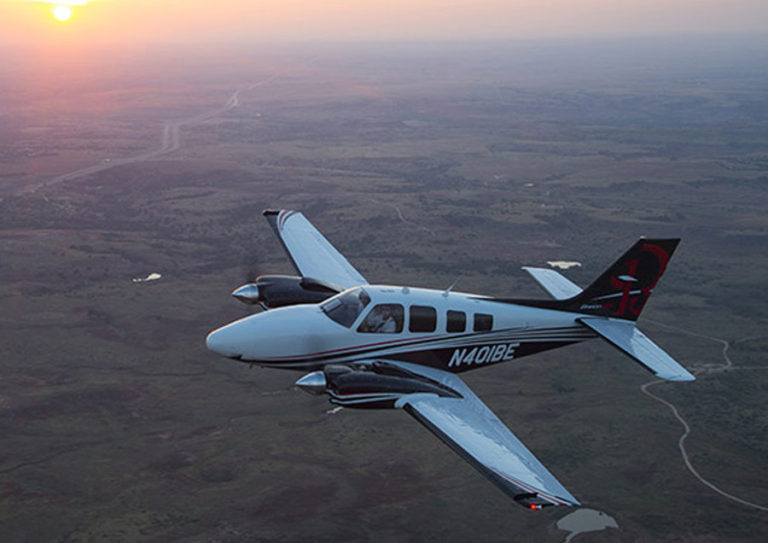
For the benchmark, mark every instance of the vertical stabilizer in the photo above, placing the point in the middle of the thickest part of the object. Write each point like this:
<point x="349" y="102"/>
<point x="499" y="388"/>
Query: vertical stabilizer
<point x="623" y="289"/>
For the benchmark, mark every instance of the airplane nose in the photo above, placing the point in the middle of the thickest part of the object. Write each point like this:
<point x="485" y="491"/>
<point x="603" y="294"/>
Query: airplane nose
<point x="220" y="342"/>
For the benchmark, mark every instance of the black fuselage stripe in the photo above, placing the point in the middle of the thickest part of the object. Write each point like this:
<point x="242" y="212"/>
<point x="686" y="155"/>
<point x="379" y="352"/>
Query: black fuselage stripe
<point x="300" y="362"/>
<point x="554" y="334"/>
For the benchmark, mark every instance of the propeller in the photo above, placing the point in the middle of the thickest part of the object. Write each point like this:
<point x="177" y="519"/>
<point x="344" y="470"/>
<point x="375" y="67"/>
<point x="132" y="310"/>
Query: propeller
<point x="248" y="293"/>
<point x="251" y="268"/>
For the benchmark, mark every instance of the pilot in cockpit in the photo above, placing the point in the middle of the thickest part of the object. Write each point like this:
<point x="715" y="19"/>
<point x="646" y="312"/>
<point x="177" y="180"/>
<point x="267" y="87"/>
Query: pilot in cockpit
<point x="380" y="320"/>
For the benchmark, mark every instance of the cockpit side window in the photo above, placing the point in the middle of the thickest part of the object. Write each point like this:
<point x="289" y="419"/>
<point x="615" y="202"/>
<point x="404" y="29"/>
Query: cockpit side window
<point x="383" y="319"/>
<point x="344" y="308"/>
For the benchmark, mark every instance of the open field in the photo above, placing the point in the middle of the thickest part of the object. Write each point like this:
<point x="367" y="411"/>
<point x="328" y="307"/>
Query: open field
<point x="423" y="167"/>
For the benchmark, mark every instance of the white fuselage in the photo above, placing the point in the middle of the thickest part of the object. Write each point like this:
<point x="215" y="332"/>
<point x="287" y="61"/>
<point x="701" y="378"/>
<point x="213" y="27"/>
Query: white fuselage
<point x="422" y="326"/>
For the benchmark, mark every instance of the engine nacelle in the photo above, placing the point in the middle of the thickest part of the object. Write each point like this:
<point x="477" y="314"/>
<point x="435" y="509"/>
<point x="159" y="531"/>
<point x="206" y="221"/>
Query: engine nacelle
<point x="271" y="291"/>
<point x="370" y="386"/>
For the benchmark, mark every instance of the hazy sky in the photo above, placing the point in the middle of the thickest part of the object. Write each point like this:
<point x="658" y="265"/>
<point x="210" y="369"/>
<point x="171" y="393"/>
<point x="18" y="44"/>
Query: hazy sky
<point x="142" y="21"/>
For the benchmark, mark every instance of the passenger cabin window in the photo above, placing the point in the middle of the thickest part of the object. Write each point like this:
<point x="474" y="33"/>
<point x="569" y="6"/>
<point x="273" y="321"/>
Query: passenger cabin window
<point x="345" y="307"/>
<point x="383" y="319"/>
<point x="423" y="319"/>
<point x="457" y="321"/>
<point x="483" y="322"/>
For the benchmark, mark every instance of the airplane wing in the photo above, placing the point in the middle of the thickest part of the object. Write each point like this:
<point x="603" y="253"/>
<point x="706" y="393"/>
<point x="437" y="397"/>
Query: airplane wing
<point x="472" y="430"/>
<point x="311" y="254"/>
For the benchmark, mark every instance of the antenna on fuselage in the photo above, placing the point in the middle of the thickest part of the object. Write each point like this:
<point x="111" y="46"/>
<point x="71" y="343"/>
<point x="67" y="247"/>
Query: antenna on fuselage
<point x="450" y="288"/>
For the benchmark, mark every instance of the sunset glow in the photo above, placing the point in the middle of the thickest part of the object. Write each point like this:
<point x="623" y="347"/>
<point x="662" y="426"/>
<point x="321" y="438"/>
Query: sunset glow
<point x="140" y="22"/>
<point x="62" y="13"/>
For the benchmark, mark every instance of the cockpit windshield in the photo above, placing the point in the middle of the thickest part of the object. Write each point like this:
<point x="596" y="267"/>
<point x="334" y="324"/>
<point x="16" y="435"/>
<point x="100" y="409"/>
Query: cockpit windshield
<point x="345" y="307"/>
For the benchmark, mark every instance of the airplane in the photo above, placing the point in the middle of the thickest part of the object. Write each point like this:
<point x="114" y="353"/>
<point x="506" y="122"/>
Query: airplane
<point x="384" y="346"/>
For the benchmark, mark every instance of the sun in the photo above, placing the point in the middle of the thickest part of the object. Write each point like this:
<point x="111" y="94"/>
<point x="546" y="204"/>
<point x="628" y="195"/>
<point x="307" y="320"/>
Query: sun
<point x="62" y="13"/>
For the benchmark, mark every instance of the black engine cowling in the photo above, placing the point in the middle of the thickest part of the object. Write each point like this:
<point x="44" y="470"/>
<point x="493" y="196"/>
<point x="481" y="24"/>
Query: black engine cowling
<point x="271" y="291"/>
<point x="371" y="386"/>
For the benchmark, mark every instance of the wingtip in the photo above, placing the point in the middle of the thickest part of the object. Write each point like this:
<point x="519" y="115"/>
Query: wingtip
<point x="678" y="377"/>
<point x="537" y="500"/>
<point x="570" y="501"/>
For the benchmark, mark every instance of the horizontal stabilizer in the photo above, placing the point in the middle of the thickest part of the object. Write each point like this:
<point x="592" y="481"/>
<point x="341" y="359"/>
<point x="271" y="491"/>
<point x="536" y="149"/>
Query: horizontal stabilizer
<point x="624" y="335"/>
<point x="553" y="282"/>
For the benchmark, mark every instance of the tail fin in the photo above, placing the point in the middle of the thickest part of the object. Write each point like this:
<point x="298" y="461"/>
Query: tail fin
<point x="623" y="289"/>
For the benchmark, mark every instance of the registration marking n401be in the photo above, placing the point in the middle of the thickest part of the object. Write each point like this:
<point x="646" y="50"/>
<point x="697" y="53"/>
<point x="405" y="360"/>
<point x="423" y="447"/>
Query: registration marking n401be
<point x="483" y="355"/>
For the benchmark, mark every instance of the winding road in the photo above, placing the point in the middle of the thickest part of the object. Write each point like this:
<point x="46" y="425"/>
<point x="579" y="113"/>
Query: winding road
<point x="401" y="216"/>
<point x="703" y="370"/>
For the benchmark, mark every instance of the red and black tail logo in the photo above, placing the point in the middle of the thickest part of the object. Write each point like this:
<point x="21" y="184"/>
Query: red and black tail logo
<point x="623" y="290"/>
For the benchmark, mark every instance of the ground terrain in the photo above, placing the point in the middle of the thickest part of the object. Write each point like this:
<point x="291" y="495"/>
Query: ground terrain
<point x="424" y="165"/>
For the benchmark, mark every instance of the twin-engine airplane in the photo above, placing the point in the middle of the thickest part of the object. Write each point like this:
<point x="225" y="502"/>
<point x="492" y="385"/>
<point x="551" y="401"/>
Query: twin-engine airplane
<point x="380" y="346"/>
